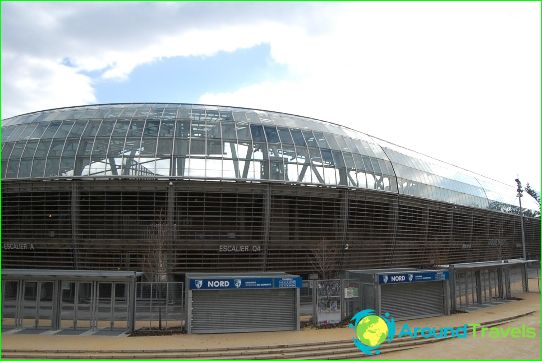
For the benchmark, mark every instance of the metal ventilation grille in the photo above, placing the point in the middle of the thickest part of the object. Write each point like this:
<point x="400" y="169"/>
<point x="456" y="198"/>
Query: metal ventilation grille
<point x="218" y="226"/>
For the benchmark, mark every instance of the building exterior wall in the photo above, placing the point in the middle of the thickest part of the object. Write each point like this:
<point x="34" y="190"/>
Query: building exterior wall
<point x="164" y="227"/>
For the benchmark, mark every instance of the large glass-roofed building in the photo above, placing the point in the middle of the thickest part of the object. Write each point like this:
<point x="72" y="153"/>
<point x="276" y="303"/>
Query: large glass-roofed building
<point x="221" y="188"/>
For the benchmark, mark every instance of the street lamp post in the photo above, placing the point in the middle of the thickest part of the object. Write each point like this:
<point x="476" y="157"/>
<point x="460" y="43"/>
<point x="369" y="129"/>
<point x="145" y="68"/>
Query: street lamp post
<point x="520" y="194"/>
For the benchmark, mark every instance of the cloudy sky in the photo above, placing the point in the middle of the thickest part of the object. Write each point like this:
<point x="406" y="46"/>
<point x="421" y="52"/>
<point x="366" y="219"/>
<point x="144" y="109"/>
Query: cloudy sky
<point x="457" y="81"/>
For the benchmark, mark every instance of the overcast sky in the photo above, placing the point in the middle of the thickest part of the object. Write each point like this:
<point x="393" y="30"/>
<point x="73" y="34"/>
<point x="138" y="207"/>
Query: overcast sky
<point x="456" y="81"/>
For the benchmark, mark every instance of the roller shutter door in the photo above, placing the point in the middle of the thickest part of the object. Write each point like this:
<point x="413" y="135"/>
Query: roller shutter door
<point x="243" y="310"/>
<point x="414" y="300"/>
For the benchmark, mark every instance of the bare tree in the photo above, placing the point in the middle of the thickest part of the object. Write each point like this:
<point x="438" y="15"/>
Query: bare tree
<point x="325" y="259"/>
<point x="156" y="259"/>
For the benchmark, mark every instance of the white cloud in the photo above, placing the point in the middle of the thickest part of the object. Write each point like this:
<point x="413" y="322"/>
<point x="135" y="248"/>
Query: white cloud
<point x="460" y="82"/>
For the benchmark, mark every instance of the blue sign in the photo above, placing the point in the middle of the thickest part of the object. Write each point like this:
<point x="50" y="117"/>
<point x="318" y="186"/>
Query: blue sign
<point x="244" y="282"/>
<point x="410" y="277"/>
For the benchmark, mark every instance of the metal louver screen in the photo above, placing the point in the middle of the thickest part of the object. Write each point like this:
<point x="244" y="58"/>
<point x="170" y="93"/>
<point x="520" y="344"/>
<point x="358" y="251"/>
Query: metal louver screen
<point x="243" y="310"/>
<point x="409" y="301"/>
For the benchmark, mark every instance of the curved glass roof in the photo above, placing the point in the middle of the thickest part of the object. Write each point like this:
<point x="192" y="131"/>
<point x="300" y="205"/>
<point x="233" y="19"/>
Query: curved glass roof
<point x="225" y="143"/>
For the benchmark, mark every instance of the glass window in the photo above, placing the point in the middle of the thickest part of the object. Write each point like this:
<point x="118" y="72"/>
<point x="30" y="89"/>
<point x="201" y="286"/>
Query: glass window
<point x="151" y="128"/>
<point x="309" y="137"/>
<point x="272" y="134"/>
<point x="17" y="149"/>
<point x="197" y="130"/>
<point x="257" y="133"/>
<point x="228" y="131"/>
<point x="28" y="131"/>
<point x="51" y="169"/>
<point x="132" y="146"/>
<point x="38" y="167"/>
<point x="13" y="168"/>
<point x="85" y="148"/>
<point x="214" y="147"/>
<point x="116" y="147"/>
<point x="121" y="128"/>
<point x="243" y="132"/>
<point x="213" y="130"/>
<point x="24" y="168"/>
<point x="167" y="128"/>
<point x="326" y="155"/>
<point x="106" y="128"/>
<point x="77" y="129"/>
<point x="197" y="147"/>
<point x="148" y="147"/>
<point x="136" y="128"/>
<point x="331" y="141"/>
<point x="51" y="130"/>
<point x="56" y="148"/>
<point x="100" y="147"/>
<point x="322" y="143"/>
<point x="70" y="148"/>
<point x="297" y="136"/>
<point x="6" y="150"/>
<point x="182" y="129"/>
<point x="92" y="128"/>
<point x="30" y="148"/>
<point x="165" y="146"/>
<point x="43" y="148"/>
<point x="67" y="166"/>
<point x="285" y="136"/>
<point x="338" y="157"/>
<point x="64" y="129"/>
<point x="181" y="147"/>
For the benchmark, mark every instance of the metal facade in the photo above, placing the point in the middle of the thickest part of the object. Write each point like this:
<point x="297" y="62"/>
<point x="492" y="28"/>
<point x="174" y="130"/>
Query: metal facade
<point x="173" y="188"/>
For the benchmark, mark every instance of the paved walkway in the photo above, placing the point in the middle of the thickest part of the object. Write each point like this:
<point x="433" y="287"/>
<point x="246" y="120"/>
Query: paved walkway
<point x="470" y="348"/>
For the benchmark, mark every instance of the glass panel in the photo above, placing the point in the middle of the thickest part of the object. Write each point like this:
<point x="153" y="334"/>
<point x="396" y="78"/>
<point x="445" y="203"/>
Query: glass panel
<point x="38" y="167"/>
<point x="271" y="134"/>
<point x="322" y="143"/>
<point x="213" y="130"/>
<point x="331" y="141"/>
<point x="257" y="133"/>
<point x="92" y="128"/>
<point x="228" y="131"/>
<point x="70" y="148"/>
<point x="116" y="146"/>
<point x="13" y="168"/>
<point x="46" y="304"/>
<point x="85" y="148"/>
<point x="151" y="128"/>
<point x="77" y="129"/>
<point x="182" y="129"/>
<point x="136" y="129"/>
<point x="24" y="168"/>
<point x="285" y="136"/>
<point x="100" y="147"/>
<point x="6" y="150"/>
<point x="297" y="137"/>
<point x="197" y="129"/>
<point x="181" y="147"/>
<point x="148" y="147"/>
<point x="51" y="130"/>
<point x="167" y="128"/>
<point x="43" y="148"/>
<point x="51" y="169"/>
<point x="67" y="166"/>
<point x="309" y="137"/>
<point x="121" y="127"/>
<point x="106" y="128"/>
<point x="64" y="129"/>
<point x="17" y="149"/>
<point x="29" y="304"/>
<point x="165" y="146"/>
<point x="84" y="303"/>
<point x="56" y="148"/>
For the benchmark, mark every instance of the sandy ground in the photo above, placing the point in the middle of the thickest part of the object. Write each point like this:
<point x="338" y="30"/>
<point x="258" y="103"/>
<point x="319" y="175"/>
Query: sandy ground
<point x="469" y="348"/>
